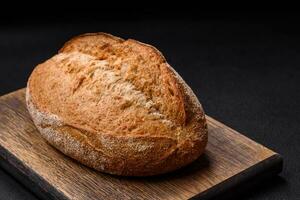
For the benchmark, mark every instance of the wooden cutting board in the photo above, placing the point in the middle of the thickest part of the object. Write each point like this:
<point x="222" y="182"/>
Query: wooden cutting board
<point x="230" y="158"/>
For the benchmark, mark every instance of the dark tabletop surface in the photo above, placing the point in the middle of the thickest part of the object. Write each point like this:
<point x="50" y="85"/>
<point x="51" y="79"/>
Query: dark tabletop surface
<point x="246" y="73"/>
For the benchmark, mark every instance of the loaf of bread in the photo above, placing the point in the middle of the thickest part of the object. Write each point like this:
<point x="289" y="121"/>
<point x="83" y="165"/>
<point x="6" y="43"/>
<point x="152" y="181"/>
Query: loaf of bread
<point x="116" y="106"/>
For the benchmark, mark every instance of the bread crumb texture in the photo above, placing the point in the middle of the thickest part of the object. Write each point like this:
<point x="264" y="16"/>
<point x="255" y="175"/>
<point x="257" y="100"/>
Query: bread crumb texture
<point x="117" y="106"/>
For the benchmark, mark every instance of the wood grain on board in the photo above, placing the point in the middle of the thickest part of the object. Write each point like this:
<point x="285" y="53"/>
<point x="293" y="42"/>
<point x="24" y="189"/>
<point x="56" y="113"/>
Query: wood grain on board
<point x="229" y="159"/>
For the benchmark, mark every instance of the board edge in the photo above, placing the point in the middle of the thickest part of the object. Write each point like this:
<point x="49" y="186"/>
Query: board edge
<point x="273" y="165"/>
<point x="13" y="166"/>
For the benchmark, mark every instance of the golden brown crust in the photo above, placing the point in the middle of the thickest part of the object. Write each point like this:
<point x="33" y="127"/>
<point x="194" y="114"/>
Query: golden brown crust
<point x="140" y="64"/>
<point x="117" y="106"/>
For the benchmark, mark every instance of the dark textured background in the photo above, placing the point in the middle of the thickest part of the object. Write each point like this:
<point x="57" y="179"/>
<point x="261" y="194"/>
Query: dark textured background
<point x="245" y="71"/>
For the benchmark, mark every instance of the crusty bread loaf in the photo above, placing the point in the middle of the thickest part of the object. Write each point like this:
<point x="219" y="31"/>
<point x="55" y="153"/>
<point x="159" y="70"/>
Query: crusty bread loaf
<point x="117" y="106"/>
